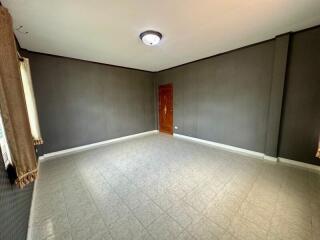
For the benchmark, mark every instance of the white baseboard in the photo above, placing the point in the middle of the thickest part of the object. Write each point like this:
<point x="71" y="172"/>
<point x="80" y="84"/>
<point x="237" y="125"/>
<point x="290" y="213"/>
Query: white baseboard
<point x="250" y="153"/>
<point x="69" y="151"/>
<point x="224" y="147"/>
<point x="206" y="142"/>
<point x="269" y="158"/>
<point x="300" y="164"/>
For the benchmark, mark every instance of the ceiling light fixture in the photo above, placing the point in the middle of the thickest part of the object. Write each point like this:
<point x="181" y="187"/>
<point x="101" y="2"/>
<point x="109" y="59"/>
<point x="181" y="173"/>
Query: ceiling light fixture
<point x="151" y="37"/>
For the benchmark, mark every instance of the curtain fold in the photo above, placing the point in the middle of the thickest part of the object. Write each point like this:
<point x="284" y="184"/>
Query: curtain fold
<point x="13" y="105"/>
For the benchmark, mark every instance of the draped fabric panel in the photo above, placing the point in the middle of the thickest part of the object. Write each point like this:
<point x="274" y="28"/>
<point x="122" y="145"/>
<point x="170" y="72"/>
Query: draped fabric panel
<point x="13" y="105"/>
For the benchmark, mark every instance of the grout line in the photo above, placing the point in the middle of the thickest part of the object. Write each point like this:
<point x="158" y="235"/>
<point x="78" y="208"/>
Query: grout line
<point x="92" y="198"/>
<point x="258" y="170"/>
<point x="238" y="211"/>
<point x="33" y="202"/>
<point x="67" y="213"/>
<point x="131" y="211"/>
<point x="164" y="212"/>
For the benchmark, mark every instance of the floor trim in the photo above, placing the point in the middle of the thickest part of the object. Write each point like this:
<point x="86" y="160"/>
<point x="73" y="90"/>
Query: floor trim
<point x="250" y="153"/>
<point x="224" y="147"/>
<point x="69" y="151"/>
<point x="300" y="164"/>
<point x="269" y="158"/>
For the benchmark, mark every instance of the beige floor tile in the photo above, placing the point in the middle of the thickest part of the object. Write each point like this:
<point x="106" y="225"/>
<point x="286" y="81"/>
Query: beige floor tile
<point x="165" y="228"/>
<point x="184" y="214"/>
<point x="147" y="212"/>
<point x="242" y="228"/>
<point x="128" y="228"/>
<point x="159" y="187"/>
<point x="260" y="216"/>
<point x="205" y="229"/>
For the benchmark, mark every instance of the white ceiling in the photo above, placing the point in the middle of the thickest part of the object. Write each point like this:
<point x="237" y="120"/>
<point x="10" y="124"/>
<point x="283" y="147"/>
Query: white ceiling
<point x="107" y="31"/>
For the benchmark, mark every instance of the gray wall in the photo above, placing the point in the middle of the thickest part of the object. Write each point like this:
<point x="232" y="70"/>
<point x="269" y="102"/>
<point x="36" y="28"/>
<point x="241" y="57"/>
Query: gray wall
<point x="224" y="99"/>
<point x="82" y="102"/>
<point x="15" y="206"/>
<point x="244" y="98"/>
<point x="264" y="97"/>
<point x="233" y="98"/>
<point x="301" y="114"/>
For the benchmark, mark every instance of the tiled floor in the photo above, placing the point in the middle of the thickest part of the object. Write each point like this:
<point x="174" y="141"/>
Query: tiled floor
<point x="159" y="187"/>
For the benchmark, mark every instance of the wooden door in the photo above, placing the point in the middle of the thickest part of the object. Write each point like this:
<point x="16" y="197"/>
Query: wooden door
<point x="166" y="108"/>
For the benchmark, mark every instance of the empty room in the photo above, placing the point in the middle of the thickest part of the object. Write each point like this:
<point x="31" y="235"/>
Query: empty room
<point x="168" y="120"/>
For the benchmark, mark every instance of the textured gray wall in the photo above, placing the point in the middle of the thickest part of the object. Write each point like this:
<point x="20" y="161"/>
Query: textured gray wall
<point x="301" y="113"/>
<point x="225" y="98"/>
<point x="233" y="98"/>
<point x="249" y="97"/>
<point x="15" y="206"/>
<point x="82" y="102"/>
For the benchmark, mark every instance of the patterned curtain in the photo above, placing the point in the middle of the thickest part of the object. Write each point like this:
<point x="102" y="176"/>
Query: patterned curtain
<point x="13" y="105"/>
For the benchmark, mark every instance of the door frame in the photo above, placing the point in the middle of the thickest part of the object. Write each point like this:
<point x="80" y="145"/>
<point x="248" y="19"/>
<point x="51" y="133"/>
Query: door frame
<point x="165" y="85"/>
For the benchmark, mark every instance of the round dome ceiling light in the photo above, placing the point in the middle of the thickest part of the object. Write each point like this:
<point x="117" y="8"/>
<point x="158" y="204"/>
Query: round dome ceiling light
<point x="150" y="37"/>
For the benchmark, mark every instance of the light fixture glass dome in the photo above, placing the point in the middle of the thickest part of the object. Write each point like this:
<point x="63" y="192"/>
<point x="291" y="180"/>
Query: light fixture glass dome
<point x="150" y="37"/>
